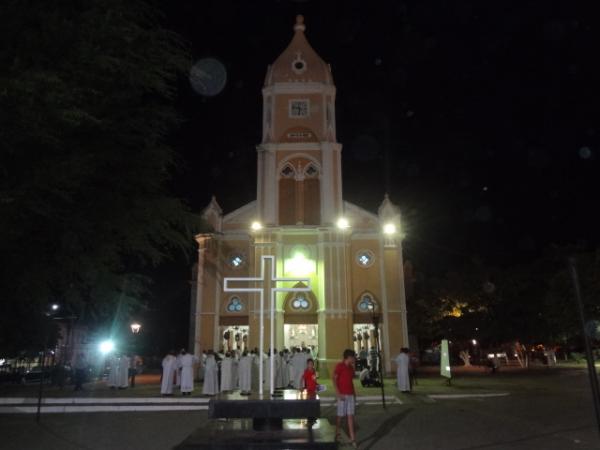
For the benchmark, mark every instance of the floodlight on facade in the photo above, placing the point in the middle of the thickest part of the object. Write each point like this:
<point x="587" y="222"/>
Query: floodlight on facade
<point x="343" y="223"/>
<point x="389" y="228"/>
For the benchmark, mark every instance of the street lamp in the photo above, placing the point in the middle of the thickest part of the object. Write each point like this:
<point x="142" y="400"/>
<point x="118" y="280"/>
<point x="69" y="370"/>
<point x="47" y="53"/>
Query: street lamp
<point x="106" y="346"/>
<point x="377" y="348"/>
<point x="135" y="329"/>
<point x="51" y="310"/>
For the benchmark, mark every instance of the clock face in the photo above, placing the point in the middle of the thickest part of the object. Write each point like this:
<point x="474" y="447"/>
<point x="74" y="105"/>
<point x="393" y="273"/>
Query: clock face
<point x="299" y="108"/>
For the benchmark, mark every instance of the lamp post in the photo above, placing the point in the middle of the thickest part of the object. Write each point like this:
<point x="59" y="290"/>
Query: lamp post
<point x="51" y="310"/>
<point x="375" y="319"/>
<point x="136" y="327"/>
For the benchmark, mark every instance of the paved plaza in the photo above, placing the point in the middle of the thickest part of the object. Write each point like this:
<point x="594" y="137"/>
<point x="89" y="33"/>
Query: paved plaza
<point x="540" y="410"/>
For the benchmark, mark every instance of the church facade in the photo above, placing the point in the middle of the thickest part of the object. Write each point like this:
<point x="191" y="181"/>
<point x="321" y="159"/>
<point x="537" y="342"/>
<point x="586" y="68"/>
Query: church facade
<point x="352" y="257"/>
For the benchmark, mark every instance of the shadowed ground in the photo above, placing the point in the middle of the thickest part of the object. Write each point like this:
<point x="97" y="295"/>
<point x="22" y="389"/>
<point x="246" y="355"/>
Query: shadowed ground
<point x="545" y="410"/>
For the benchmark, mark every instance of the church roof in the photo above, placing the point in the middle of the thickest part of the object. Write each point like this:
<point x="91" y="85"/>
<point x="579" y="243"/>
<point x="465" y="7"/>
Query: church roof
<point x="299" y="62"/>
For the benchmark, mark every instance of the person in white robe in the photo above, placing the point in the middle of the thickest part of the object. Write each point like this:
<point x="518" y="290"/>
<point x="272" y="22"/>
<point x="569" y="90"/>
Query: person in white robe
<point x="113" y="375"/>
<point x="187" y="361"/>
<point x="279" y="368"/>
<point x="256" y="371"/>
<point x="402" y="370"/>
<point x="169" y="366"/>
<point x="245" y="373"/>
<point x="178" y="369"/>
<point x="227" y="373"/>
<point x="235" y="377"/>
<point x="285" y="369"/>
<point x="299" y="364"/>
<point x="211" y="375"/>
<point x="123" y="373"/>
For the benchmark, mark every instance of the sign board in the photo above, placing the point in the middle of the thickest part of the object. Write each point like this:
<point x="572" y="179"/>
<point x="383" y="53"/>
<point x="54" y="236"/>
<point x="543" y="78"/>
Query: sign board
<point x="445" y="360"/>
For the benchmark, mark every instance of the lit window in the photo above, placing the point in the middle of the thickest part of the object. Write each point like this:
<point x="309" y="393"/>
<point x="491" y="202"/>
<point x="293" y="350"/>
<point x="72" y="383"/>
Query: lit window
<point x="300" y="303"/>
<point x="235" y="305"/>
<point x="236" y="260"/>
<point x="366" y="304"/>
<point x="365" y="258"/>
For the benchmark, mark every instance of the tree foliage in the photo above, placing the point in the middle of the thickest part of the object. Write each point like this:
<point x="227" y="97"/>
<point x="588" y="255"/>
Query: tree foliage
<point x="530" y="302"/>
<point x="86" y="90"/>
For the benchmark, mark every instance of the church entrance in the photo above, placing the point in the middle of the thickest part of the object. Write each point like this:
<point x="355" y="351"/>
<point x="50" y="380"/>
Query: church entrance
<point x="301" y="335"/>
<point x="234" y="337"/>
<point x="364" y="344"/>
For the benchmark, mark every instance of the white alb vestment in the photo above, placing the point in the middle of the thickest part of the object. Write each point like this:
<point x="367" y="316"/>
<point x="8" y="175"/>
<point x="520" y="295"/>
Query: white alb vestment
<point x="186" y="363"/>
<point x="211" y="376"/>
<point x="169" y="366"/>
<point x="123" y="373"/>
<point x="227" y="380"/>
<point x="178" y="371"/>
<point x="245" y="373"/>
<point x="402" y="376"/>
<point x="280" y="366"/>
<point x="113" y="375"/>
<point x="299" y="365"/>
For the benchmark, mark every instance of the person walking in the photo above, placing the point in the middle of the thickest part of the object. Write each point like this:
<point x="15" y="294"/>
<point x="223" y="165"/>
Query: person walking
<point x="343" y="382"/>
<point x="402" y="370"/>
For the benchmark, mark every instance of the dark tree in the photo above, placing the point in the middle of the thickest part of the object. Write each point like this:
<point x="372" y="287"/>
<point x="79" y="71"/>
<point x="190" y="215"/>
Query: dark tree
<point x="86" y="93"/>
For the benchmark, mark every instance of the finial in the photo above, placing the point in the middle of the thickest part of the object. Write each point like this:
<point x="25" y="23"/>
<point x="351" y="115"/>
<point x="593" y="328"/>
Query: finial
<point x="299" y="23"/>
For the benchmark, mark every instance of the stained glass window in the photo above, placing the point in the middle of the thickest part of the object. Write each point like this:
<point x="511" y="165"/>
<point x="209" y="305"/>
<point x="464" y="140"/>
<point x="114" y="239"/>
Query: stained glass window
<point x="235" y="305"/>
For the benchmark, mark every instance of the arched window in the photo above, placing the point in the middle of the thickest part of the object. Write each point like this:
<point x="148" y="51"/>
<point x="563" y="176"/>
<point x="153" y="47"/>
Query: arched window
<point x="366" y="303"/>
<point x="235" y="305"/>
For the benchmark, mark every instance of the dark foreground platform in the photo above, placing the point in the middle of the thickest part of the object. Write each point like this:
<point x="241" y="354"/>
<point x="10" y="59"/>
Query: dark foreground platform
<point x="267" y="413"/>
<point x="238" y="434"/>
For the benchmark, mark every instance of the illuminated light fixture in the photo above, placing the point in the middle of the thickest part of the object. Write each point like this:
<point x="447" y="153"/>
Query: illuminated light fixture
<point x="474" y="341"/>
<point x="299" y="265"/>
<point x="135" y="327"/>
<point x="343" y="223"/>
<point x="107" y="346"/>
<point x="55" y="306"/>
<point x="256" y="226"/>
<point x="389" y="228"/>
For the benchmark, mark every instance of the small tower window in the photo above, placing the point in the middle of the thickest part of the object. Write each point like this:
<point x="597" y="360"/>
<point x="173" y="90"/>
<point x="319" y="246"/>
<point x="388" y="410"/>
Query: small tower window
<point x="235" y="305"/>
<point x="299" y="108"/>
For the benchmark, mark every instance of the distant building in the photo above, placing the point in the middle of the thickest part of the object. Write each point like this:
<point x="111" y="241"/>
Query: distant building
<point x="352" y="256"/>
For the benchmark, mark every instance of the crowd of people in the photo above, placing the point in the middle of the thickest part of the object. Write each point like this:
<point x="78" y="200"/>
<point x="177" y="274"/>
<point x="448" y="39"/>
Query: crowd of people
<point x="227" y="371"/>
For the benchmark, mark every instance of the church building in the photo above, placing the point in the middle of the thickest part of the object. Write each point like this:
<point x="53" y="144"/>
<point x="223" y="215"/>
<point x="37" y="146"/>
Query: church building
<point x="352" y="257"/>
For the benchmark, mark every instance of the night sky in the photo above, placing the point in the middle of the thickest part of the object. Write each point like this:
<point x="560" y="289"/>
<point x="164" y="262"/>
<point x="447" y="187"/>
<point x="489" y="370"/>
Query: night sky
<point x="481" y="119"/>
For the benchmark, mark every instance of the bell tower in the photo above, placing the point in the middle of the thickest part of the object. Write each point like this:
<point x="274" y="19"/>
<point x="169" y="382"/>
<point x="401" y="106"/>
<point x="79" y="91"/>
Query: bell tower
<point x="299" y="158"/>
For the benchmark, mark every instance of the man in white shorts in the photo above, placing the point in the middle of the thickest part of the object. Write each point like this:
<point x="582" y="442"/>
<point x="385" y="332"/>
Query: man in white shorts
<point x="343" y="382"/>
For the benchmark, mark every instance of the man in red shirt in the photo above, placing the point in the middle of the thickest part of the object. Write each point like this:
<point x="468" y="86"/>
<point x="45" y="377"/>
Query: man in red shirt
<point x="343" y="382"/>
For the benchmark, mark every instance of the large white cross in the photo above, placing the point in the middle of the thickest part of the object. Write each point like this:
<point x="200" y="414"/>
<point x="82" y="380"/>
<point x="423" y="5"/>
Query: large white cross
<point x="261" y="290"/>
